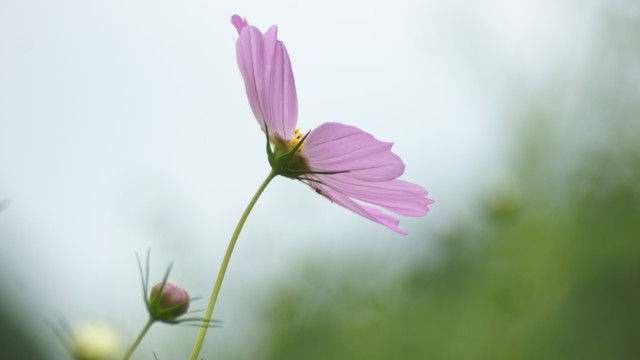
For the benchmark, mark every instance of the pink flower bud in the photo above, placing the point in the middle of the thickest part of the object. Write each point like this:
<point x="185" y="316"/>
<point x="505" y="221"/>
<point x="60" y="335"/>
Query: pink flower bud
<point x="171" y="303"/>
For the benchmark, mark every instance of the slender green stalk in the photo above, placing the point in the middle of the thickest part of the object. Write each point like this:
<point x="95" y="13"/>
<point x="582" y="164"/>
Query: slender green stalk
<point x="139" y="339"/>
<point x="223" y="267"/>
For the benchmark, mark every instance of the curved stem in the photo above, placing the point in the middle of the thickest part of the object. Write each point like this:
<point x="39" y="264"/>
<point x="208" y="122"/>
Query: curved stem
<point x="139" y="339"/>
<point x="223" y="267"/>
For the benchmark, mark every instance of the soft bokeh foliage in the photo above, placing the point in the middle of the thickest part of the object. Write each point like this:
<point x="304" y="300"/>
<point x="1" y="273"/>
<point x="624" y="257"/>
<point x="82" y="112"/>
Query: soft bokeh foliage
<point x="541" y="280"/>
<point x="544" y="277"/>
<point x="549" y="272"/>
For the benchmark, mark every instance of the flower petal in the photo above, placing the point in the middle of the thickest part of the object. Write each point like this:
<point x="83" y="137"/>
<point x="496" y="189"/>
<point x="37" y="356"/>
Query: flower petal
<point x="239" y="22"/>
<point x="367" y="171"/>
<point x="368" y="212"/>
<point x="338" y="147"/>
<point x="249" y="50"/>
<point x="399" y="196"/>
<point x="283" y="100"/>
<point x="266" y="69"/>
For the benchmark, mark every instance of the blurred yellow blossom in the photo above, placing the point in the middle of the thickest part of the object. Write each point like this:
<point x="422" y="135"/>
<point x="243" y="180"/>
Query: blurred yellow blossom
<point x="95" y="341"/>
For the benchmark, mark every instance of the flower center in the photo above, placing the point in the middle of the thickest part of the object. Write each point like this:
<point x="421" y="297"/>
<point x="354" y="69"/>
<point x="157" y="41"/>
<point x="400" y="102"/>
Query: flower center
<point x="297" y="136"/>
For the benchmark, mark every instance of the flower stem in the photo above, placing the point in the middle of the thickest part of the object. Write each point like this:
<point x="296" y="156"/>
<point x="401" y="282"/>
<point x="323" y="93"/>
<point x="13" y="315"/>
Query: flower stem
<point x="139" y="339"/>
<point x="223" y="267"/>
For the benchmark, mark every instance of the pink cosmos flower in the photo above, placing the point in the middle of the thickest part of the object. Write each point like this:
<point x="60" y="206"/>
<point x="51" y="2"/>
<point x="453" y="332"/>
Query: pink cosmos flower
<point x="343" y="163"/>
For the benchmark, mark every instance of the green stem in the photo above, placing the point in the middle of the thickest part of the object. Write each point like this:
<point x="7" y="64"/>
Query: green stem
<point x="139" y="339"/>
<point x="223" y="267"/>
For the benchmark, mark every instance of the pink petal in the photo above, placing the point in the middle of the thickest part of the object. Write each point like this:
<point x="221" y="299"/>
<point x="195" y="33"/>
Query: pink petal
<point x="339" y="147"/>
<point x="239" y="22"/>
<point x="399" y="196"/>
<point x="266" y="69"/>
<point x="283" y="100"/>
<point x="247" y="51"/>
<point x="370" y="174"/>
<point x="368" y="212"/>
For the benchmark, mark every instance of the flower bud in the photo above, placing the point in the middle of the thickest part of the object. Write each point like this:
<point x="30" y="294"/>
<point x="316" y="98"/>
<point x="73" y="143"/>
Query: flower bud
<point x="171" y="303"/>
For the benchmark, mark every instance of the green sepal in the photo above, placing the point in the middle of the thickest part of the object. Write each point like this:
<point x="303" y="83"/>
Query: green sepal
<point x="290" y="164"/>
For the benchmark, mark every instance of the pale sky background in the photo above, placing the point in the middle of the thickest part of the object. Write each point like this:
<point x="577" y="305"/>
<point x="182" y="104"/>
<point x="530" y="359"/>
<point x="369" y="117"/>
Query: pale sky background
<point x="124" y="126"/>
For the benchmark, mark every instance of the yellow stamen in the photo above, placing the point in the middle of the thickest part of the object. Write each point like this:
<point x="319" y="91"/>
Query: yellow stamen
<point x="297" y="136"/>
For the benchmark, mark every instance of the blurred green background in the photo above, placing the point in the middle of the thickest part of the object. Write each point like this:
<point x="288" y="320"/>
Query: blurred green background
<point x="548" y="269"/>
<point x="545" y="275"/>
<point x="545" y="266"/>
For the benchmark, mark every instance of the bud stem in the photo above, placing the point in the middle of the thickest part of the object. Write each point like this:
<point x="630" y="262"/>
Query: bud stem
<point x="139" y="339"/>
<point x="223" y="267"/>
